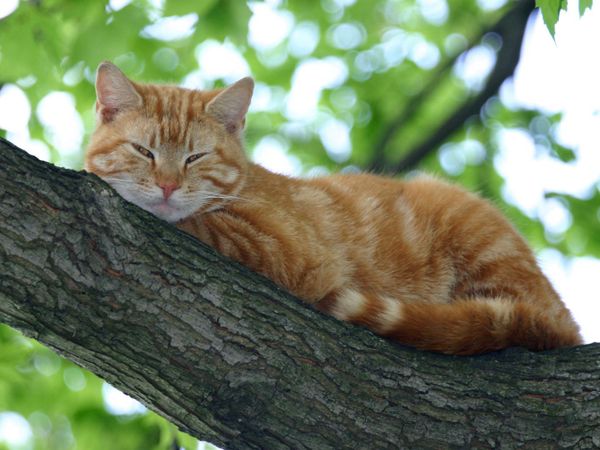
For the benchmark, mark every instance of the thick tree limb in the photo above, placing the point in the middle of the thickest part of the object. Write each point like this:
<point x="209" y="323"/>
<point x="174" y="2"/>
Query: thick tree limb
<point x="230" y="358"/>
<point x="511" y="29"/>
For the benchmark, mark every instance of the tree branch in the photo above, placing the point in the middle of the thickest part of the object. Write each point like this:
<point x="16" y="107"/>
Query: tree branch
<point x="379" y="159"/>
<point x="230" y="358"/>
<point x="511" y="27"/>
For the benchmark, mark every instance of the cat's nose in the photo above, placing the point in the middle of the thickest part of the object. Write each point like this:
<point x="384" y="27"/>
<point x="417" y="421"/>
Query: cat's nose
<point x="168" y="189"/>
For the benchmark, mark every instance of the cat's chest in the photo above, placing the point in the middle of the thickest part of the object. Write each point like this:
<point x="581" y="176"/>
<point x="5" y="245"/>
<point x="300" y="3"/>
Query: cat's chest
<point x="281" y="250"/>
<point x="240" y="236"/>
<point x="195" y="226"/>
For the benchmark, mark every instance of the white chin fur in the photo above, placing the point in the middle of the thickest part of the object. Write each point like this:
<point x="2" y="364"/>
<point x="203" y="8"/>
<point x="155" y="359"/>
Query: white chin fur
<point x="168" y="213"/>
<point x="171" y="211"/>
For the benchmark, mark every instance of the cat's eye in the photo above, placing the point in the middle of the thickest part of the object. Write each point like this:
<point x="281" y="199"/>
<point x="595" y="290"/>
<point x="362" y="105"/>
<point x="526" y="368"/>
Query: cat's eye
<point x="144" y="151"/>
<point x="194" y="157"/>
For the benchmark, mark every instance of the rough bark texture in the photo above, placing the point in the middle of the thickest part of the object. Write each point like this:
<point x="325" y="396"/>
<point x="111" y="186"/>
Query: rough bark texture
<point x="232" y="359"/>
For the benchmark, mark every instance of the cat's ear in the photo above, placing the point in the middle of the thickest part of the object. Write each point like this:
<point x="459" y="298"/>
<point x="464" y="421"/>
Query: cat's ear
<point x="114" y="92"/>
<point x="231" y="105"/>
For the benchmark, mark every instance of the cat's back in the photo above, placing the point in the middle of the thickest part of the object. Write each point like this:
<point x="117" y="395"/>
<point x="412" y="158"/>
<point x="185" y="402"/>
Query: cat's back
<point x="422" y="196"/>
<point x="426" y="235"/>
<point x="429" y="213"/>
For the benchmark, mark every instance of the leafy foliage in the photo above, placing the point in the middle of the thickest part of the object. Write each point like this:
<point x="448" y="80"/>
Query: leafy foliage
<point x="385" y="74"/>
<point x="64" y="406"/>
<point x="551" y="10"/>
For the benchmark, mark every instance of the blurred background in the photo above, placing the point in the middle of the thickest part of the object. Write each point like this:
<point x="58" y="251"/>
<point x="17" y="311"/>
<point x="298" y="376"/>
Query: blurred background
<point x="475" y="91"/>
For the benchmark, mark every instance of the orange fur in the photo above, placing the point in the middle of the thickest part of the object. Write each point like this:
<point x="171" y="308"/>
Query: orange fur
<point x="421" y="261"/>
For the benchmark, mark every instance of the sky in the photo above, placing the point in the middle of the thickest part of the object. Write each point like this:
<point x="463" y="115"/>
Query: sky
<point x="554" y="76"/>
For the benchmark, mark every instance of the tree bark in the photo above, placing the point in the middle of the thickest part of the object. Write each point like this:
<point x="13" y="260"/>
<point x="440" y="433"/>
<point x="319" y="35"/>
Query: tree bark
<point x="230" y="358"/>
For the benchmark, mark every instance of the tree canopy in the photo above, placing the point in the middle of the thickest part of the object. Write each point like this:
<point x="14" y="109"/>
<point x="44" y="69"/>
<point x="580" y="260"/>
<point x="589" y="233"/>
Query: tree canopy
<point x="342" y="85"/>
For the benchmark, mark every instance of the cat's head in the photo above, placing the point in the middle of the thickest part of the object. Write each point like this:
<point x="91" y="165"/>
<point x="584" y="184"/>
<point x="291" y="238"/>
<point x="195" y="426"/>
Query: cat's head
<point x="169" y="150"/>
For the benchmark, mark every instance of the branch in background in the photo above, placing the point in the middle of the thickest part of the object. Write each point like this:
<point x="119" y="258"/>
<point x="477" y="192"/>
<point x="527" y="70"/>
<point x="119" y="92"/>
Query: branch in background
<point x="511" y="28"/>
<point x="232" y="359"/>
<point x="379" y="160"/>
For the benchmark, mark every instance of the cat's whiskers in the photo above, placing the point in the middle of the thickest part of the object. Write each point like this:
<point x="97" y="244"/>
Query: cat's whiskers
<point x="215" y="196"/>
<point x="209" y="196"/>
<point x="111" y="181"/>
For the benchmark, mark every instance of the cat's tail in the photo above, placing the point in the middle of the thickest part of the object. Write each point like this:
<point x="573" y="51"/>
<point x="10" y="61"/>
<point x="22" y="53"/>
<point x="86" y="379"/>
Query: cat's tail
<point x="463" y="327"/>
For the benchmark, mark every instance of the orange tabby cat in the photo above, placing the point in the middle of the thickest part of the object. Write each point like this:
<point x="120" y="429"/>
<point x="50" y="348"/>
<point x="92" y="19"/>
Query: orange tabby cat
<point x="420" y="261"/>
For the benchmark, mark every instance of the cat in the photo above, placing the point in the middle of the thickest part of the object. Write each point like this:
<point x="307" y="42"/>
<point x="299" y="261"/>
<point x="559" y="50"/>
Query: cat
<point x="421" y="261"/>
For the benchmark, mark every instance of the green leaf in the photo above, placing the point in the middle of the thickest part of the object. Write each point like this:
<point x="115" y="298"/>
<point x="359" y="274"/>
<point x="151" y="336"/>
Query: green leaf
<point x="228" y="21"/>
<point x="583" y="5"/>
<point x="182" y="7"/>
<point x="564" y="154"/>
<point x="550" y="12"/>
<point x="118" y="34"/>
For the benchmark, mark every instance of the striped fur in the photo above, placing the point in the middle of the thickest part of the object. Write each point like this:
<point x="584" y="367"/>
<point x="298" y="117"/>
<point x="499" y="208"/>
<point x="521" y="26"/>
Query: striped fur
<point x="420" y="261"/>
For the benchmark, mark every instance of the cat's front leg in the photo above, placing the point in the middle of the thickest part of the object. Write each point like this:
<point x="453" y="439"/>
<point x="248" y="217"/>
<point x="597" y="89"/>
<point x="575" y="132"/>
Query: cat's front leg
<point x="303" y="267"/>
